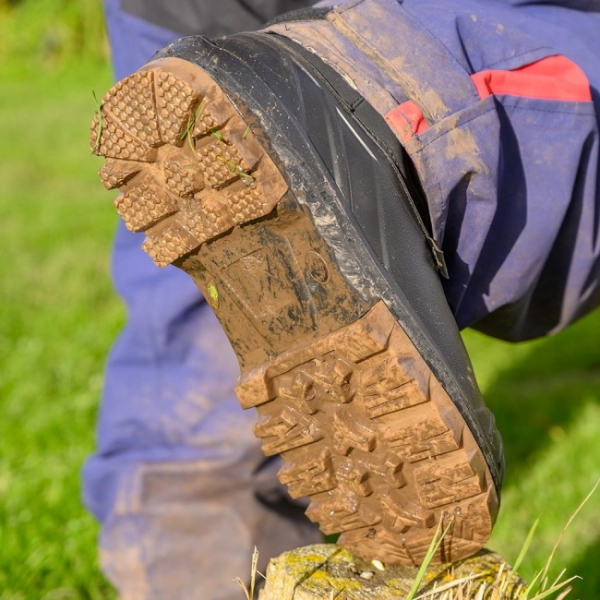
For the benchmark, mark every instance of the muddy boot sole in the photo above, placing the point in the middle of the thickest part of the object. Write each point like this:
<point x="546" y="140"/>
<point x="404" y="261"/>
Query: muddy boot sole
<point x="364" y="426"/>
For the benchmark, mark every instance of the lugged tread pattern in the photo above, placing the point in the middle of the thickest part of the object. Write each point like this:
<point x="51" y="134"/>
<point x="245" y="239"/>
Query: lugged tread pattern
<point x="363" y="426"/>
<point x="366" y="431"/>
<point x="116" y="173"/>
<point x="170" y="127"/>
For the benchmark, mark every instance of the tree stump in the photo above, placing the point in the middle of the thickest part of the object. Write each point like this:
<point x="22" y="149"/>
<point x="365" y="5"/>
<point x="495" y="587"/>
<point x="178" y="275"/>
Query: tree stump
<point x="326" y="572"/>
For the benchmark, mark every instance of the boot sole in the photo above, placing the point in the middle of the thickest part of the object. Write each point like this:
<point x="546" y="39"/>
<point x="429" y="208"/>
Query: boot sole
<point x="364" y="427"/>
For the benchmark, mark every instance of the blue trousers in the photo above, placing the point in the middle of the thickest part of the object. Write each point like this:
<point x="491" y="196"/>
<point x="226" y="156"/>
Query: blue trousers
<point x="178" y="480"/>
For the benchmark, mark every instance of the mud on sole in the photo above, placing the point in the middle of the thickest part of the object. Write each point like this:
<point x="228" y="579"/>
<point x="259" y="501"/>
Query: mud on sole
<point x="364" y="427"/>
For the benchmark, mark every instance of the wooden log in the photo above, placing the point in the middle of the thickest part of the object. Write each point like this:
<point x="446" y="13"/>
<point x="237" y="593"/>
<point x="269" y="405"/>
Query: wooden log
<point x="327" y="572"/>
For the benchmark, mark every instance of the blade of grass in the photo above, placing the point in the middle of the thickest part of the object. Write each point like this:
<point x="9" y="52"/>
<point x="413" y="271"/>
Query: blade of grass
<point x="481" y="593"/>
<point x="571" y="519"/>
<point x="526" y="545"/>
<point x="99" y="128"/>
<point x="560" y="576"/>
<point x="502" y="581"/>
<point x="532" y="586"/>
<point x="433" y="546"/>
<point x="565" y="593"/>
<point x="190" y="127"/>
<point x="448" y="586"/>
<point x="192" y="121"/>
<point x="244" y="588"/>
<point x="249" y="593"/>
<point x="246" y="178"/>
<point x="555" y="588"/>
<point x="255" y="556"/>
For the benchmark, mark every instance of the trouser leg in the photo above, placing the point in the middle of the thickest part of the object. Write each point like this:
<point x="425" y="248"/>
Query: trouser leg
<point x="178" y="481"/>
<point x="498" y="106"/>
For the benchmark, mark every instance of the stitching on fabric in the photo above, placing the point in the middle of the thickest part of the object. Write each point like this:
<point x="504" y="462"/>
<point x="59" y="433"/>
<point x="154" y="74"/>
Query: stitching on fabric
<point x="381" y="62"/>
<point x="591" y="113"/>
<point x="462" y="124"/>
<point x="437" y="186"/>
<point x="343" y="9"/>
<point x="399" y="112"/>
<point x="530" y="51"/>
<point x="512" y="107"/>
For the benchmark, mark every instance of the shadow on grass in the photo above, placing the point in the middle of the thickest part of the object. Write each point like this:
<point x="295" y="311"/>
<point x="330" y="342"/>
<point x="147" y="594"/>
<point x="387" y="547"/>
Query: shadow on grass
<point x="586" y="568"/>
<point x="535" y="399"/>
<point x="541" y="394"/>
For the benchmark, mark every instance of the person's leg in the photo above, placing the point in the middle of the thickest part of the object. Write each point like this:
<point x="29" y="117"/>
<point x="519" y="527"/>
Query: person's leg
<point x="298" y="214"/>
<point x="510" y="173"/>
<point x="178" y="480"/>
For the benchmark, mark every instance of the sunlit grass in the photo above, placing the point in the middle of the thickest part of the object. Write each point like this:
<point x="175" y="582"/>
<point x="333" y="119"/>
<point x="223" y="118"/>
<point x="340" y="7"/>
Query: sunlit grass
<point x="58" y="317"/>
<point x="545" y="395"/>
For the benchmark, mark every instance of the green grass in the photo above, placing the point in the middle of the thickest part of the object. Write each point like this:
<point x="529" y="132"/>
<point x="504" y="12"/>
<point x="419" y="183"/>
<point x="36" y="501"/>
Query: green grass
<point x="58" y="317"/>
<point x="49" y="33"/>
<point x="545" y="395"/>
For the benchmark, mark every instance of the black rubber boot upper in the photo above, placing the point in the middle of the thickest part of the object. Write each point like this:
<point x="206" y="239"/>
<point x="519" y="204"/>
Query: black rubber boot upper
<point x="323" y="130"/>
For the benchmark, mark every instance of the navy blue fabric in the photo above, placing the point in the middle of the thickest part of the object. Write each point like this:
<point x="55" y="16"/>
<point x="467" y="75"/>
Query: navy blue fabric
<point x="511" y="182"/>
<point x="518" y="217"/>
<point x="168" y="392"/>
<point x="209" y="17"/>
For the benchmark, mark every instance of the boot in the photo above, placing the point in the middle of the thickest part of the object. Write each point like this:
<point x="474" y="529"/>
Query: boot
<point x="267" y="177"/>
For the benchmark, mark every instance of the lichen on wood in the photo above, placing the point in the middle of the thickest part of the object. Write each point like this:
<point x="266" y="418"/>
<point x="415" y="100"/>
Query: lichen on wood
<point x="326" y="572"/>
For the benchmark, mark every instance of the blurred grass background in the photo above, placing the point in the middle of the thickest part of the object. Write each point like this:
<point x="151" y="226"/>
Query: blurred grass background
<point x="59" y="315"/>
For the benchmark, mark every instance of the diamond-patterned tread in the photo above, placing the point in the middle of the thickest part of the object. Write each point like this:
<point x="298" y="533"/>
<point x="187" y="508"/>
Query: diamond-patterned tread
<point x="187" y="164"/>
<point x="364" y="427"/>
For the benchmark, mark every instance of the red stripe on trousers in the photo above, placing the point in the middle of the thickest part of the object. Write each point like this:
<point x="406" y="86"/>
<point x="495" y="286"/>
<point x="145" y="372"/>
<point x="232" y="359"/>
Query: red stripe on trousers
<point x="407" y="120"/>
<point x="552" y="78"/>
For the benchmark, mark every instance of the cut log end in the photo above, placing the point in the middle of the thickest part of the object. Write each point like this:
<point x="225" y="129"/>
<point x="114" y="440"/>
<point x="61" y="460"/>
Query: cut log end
<point x="326" y="571"/>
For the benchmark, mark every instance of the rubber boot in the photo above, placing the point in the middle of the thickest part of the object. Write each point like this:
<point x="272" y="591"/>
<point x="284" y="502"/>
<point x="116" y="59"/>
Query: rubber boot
<point x="262" y="173"/>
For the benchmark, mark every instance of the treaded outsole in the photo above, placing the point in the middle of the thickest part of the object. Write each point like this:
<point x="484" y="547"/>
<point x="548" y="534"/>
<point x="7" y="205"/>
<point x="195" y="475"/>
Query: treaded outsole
<point x="188" y="166"/>
<point x="367" y="432"/>
<point x="363" y="426"/>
